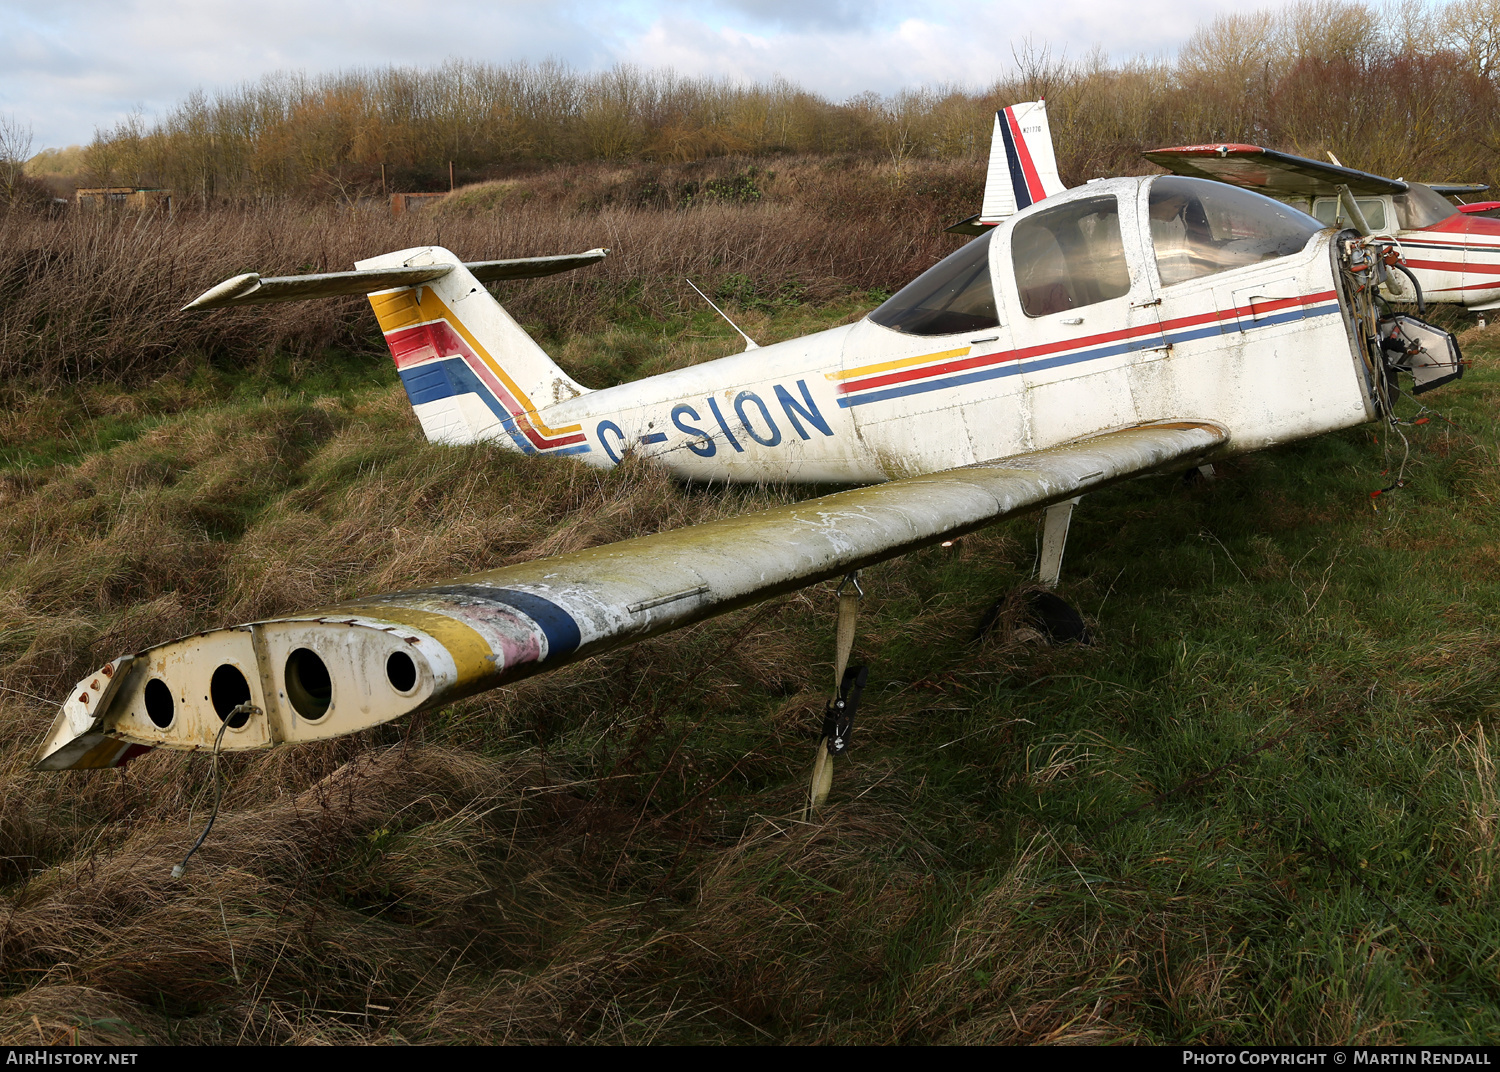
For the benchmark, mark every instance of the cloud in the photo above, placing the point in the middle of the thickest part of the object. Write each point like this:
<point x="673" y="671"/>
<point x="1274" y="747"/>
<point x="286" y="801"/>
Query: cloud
<point x="74" y="65"/>
<point x="799" y="14"/>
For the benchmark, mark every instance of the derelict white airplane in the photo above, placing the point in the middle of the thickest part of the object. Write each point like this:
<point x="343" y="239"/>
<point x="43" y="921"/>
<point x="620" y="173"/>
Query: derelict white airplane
<point x="1124" y="327"/>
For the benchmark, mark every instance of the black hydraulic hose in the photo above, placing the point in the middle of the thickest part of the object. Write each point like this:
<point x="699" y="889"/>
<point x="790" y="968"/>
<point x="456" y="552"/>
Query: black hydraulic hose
<point x="1421" y="305"/>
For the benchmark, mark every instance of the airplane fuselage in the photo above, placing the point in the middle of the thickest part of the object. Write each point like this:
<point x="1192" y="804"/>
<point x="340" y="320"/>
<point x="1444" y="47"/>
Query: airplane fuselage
<point x="1267" y="351"/>
<point x="1457" y="260"/>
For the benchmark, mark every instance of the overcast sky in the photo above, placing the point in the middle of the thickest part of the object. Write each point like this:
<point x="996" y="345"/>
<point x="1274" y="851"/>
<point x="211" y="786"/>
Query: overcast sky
<point x="69" y="66"/>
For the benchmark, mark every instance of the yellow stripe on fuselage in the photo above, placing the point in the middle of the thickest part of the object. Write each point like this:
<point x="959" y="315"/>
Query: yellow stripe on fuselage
<point x="905" y="362"/>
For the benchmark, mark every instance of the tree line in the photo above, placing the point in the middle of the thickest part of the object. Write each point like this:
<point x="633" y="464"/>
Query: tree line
<point x="1403" y="89"/>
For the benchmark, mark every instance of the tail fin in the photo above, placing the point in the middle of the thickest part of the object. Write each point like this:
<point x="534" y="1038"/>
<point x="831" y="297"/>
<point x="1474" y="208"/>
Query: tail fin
<point x="470" y="371"/>
<point x="1023" y="168"/>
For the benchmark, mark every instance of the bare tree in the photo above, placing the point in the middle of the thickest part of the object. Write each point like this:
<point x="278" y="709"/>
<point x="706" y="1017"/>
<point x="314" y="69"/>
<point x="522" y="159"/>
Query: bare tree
<point x="1472" y="28"/>
<point x="1037" y="71"/>
<point x="15" y="150"/>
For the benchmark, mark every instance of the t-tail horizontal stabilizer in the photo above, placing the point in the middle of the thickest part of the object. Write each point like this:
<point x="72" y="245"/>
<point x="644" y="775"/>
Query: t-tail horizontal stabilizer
<point x="471" y="372"/>
<point x="252" y="289"/>
<point x="329" y="672"/>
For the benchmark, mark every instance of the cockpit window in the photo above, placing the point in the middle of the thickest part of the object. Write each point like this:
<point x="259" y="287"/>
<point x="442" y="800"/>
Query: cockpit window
<point x="1200" y="228"/>
<point x="1070" y="256"/>
<point x="1331" y="212"/>
<point x="953" y="295"/>
<point x="1422" y="206"/>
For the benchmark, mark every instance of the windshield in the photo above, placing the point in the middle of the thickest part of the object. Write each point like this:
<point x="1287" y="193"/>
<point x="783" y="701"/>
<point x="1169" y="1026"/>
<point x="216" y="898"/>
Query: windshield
<point x="953" y="295"/>
<point x="1200" y="227"/>
<point x="1422" y="206"/>
<point x="1331" y="212"/>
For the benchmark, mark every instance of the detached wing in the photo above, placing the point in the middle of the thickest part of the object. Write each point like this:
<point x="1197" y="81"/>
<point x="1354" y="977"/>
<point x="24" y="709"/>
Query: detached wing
<point x="1270" y="172"/>
<point x="334" y="671"/>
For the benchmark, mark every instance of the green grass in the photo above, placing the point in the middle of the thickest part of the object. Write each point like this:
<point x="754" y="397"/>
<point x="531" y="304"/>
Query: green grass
<point x="1261" y="808"/>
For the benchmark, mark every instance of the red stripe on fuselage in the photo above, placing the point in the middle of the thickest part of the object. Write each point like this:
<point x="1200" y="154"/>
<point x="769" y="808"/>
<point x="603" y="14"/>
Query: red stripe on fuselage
<point x="1491" y="285"/>
<point x="1455" y="266"/>
<point x="980" y="360"/>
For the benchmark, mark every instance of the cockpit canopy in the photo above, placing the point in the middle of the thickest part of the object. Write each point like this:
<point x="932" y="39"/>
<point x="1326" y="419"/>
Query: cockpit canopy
<point x="1071" y="253"/>
<point x="1421" y="207"/>
<point x="1200" y="227"/>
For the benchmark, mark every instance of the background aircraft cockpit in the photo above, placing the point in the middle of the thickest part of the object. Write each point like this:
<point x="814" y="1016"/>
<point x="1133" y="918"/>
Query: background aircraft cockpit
<point x="1418" y="208"/>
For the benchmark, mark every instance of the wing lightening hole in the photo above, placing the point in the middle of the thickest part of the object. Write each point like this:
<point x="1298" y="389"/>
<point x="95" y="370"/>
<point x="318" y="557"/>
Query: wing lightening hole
<point x="229" y="689"/>
<point x="159" y="704"/>
<point x="401" y="671"/>
<point x="308" y="685"/>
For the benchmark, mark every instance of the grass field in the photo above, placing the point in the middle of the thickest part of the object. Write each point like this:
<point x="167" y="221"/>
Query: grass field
<point x="1261" y="808"/>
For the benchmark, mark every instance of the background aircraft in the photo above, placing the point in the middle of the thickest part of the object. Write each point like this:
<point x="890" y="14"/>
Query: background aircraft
<point x="1454" y="254"/>
<point x="1126" y="327"/>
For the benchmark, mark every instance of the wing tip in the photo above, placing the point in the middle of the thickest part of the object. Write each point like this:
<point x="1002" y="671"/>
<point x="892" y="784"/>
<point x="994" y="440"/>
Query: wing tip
<point x="232" y="291"/>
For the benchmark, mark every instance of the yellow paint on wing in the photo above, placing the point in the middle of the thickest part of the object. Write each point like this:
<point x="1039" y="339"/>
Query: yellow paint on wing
<point x="470" y="652"/>
<point x="102" y="756"/>
<point x="905" y="362"/>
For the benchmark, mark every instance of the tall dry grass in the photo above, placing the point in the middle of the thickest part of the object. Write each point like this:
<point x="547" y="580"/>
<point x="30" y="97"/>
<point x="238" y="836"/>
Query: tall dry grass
<point x="604" y="853"/>
<point x="438" y="880"/>
<point x="98" y="296"/>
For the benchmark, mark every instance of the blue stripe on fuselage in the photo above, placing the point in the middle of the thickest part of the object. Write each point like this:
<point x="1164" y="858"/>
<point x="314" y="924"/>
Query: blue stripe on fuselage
<point x="449" y="377"/>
